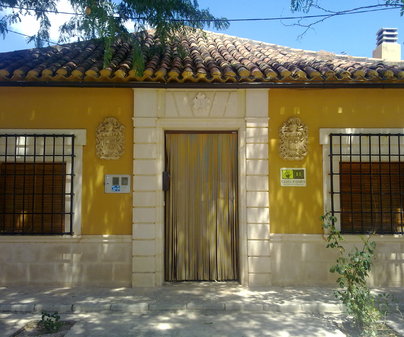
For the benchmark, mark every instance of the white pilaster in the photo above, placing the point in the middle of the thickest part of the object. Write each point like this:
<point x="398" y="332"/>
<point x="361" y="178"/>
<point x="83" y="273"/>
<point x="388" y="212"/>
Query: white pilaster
<point x="256" y="117"/>
<point x="146" y="186"/>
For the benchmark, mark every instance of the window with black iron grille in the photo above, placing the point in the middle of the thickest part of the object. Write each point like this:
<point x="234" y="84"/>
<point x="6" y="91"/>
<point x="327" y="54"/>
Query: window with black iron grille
<point x="36" y="184"/>
<point x="367" y="182"/>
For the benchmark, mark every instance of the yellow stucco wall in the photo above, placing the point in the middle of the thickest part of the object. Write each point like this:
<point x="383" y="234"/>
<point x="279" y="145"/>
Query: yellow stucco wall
<point x="292" y="209"/>
<point x="297" y="209"/>
<point x="81" y="108"/>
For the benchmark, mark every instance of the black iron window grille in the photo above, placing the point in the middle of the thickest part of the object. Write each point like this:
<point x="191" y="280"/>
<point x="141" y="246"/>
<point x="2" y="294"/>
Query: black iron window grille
<point x="36" y="184"/>
<point x="367" y="182"/>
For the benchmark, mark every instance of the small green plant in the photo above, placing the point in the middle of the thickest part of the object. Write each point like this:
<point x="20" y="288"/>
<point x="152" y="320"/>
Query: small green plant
<point x="50" y="321"/>
<point x="353" y="268"/>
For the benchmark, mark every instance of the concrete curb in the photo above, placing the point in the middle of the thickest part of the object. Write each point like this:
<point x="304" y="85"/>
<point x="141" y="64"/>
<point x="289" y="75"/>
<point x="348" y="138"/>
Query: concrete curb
<point x="311" y="308"/>
<point x="90" y="307"/>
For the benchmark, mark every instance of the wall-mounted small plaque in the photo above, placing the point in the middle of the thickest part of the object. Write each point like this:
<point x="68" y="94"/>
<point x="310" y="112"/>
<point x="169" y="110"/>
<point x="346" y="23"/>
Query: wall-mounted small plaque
<point x="117" y="183"/>
<point x="293" y="177"/>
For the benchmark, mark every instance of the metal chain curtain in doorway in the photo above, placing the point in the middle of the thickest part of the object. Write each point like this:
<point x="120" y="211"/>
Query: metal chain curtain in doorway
<point x="201" y="214"/>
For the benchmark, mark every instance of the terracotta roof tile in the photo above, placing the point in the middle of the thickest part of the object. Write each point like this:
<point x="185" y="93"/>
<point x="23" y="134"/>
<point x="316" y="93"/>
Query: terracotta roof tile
<point x="195" y="57"/>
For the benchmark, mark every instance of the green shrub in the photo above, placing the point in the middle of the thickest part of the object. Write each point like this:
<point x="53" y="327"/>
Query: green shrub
<point x="50" y="321"/>
<point x="353" y="269"/>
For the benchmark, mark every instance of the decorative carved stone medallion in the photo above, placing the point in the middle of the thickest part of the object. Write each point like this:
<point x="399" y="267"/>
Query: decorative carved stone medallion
<point x="293" y="139"/>
<point x="201" y="104"/>
<point x="110" y="140"/>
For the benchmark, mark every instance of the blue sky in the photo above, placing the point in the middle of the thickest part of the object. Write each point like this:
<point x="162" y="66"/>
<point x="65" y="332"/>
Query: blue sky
<point x="351" y="34"/>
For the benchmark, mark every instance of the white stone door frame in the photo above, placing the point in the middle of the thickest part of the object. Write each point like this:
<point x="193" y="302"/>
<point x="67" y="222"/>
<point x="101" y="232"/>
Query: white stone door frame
<point x="159" y="110"/>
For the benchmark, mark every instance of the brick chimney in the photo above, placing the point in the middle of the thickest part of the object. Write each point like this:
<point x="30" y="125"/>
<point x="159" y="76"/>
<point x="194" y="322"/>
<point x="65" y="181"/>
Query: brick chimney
<point x="387" y="47"/>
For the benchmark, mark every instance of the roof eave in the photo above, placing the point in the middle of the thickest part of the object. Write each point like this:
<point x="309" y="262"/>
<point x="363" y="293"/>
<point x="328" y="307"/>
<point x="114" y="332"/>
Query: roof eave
<point x="205" y="85"/>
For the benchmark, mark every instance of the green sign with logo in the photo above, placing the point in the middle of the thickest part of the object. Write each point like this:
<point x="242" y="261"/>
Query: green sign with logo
<point x="293" y="177"/>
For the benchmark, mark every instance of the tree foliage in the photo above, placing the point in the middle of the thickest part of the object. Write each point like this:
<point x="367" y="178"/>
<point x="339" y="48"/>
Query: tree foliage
<point x="107" y="19"/>
<point x="301" y="5"/>
<point x="397" y="2"/>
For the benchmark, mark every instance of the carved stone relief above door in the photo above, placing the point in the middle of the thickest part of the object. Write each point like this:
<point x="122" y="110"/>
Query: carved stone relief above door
<point x="202" y="104"/>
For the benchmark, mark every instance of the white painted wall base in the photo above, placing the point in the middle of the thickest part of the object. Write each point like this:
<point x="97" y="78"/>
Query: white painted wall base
<point x="101" y="261"/>
<point x="105" y="261"/>
<point x="303" y="260"/>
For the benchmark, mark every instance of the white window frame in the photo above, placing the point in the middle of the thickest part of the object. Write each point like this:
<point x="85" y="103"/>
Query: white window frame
<point x="325" y="142"/>
<point x="79" y="142"/>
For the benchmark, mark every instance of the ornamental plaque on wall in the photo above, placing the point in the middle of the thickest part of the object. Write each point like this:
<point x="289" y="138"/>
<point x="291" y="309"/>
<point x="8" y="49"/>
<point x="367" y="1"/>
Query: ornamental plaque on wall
<point x="110" y="140"/>
<point x="201" y="104"/>
<point x="293" y="136"/>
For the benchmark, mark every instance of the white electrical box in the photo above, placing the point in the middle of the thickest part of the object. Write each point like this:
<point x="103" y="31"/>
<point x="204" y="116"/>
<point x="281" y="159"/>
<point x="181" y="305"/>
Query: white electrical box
<point x="117" y="183"/>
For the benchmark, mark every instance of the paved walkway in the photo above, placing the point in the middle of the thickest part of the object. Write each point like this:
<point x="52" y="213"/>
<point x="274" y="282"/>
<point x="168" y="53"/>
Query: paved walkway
<point x="184" y="309"/>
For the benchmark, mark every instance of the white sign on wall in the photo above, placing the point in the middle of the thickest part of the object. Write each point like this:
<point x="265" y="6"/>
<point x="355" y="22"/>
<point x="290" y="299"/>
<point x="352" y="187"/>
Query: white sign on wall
<point x="117" y="183"/>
